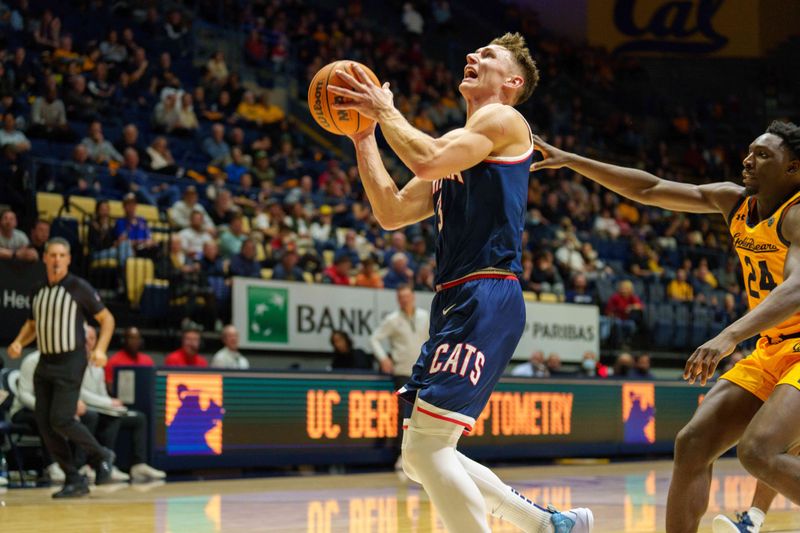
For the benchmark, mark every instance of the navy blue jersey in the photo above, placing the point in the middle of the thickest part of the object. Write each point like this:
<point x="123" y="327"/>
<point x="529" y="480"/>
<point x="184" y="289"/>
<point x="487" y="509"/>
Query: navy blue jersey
<point x="480" y="216"/>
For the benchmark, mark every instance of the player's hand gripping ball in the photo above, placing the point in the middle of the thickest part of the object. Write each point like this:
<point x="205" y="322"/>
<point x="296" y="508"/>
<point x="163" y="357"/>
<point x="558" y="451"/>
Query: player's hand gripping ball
<point x="321" y="102"/>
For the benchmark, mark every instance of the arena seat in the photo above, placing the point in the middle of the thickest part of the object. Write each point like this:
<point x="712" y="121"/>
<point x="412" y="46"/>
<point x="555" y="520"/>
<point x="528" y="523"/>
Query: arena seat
<point x="148" y="212"/>
<point x="138" y="272"/>
<point x="548" y="297"/>
<point x="85" y="205"/>
<point x="115" y="209"/>
<point x="48" y="205"/>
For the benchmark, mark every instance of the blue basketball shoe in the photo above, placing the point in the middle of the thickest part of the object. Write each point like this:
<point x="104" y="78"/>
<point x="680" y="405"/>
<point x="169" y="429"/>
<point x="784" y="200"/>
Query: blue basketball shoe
<point x="743" y="524"/>
<point x="578" y="520"/>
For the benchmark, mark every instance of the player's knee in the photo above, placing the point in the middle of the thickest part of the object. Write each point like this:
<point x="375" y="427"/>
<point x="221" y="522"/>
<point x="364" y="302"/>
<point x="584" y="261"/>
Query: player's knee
<point x="752" y="454"/>
<point x="691" y="447"/>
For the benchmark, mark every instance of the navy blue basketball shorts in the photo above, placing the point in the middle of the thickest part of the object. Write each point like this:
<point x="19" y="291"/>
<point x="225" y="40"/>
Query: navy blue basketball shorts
<point x="475" y="328"/>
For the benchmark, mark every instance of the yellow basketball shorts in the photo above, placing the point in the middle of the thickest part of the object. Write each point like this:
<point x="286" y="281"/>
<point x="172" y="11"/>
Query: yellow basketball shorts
<point x="767" y="367"/>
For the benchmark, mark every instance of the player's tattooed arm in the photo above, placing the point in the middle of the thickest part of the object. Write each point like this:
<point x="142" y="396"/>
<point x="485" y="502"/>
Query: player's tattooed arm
<point x="781" y="303"/>
<point x="393" y="207"/>
<point x="642" y="186"/>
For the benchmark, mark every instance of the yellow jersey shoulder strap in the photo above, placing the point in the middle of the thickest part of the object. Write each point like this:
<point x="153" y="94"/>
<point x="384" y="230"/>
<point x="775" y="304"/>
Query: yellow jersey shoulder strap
<point x="794" y="200"/>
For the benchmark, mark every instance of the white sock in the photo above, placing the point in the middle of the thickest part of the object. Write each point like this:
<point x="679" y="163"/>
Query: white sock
<point x="757" y="516"/>
<point x="506" y="503"/>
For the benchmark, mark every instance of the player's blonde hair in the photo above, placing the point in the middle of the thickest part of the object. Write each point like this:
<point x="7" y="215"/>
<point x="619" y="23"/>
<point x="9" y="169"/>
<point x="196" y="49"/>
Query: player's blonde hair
<point x="515" y="43"/>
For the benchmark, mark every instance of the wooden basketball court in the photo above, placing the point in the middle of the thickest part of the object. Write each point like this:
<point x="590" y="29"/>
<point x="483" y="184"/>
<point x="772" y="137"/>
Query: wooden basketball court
<point x="626" y="497"/>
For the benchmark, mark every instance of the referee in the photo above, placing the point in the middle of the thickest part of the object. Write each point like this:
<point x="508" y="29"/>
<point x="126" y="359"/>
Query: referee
<point x="58" y="314"/>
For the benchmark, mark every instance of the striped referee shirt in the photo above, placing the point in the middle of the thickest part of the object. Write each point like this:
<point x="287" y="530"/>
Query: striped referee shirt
<point x="60" y="313"/>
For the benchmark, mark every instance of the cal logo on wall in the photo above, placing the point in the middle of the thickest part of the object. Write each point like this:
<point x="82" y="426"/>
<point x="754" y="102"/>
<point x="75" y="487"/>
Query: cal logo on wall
<point x="685" y="27"/>
<point x="194" y="414"/>
<point x="639" y="412"/>
<point x="267" y="314"/>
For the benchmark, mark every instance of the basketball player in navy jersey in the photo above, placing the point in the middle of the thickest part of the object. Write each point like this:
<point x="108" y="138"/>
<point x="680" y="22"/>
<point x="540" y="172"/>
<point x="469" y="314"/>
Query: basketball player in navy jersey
<point x="474" y="180"/>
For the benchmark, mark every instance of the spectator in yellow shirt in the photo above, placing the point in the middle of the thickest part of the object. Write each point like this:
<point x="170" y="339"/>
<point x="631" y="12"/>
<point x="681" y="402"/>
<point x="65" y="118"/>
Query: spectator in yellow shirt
<point x="680" y="290"/>
<point x="258" y="112"/>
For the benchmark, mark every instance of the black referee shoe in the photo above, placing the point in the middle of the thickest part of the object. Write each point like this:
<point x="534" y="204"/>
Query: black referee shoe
<point x="102" y="469"/>
<point x="73" y="489"/>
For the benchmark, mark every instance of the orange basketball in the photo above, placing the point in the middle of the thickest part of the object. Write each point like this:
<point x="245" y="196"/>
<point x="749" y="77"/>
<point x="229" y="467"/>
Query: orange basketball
<point x="338" y="121"/>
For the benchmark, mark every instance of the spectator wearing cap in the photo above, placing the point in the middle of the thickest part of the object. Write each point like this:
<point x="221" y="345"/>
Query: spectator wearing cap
<point x="229" y="355"/>
<point x="181" y="211"/>
<point x="399" y="272"/>
<point x="245" y="263"/>
<point x="133" y="229"/>
<point x="368" y="275"/>
<point x="231" y="239"/>
<point x="188" y="354"/>
<point x="14" y="244"/>
<point x="339" y="272"/>
<point x="195" y="236"/>
<point x="287" y="269"/>
<point x="261" y="169"/>
<point x="128" y="355"/>
<point x="322" y="229"/>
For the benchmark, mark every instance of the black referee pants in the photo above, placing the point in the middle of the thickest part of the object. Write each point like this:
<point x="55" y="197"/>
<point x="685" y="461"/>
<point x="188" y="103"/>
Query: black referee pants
<point x="57" y="386"/>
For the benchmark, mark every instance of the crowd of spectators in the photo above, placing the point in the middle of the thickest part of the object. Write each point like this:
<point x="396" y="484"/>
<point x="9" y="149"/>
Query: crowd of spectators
<point x="245" y="193"/>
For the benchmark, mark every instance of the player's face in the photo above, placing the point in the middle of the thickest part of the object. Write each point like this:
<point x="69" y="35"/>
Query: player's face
<point x="486" y="70"/>
<point x="766" y="164"/>
<point x="56" y="259"/>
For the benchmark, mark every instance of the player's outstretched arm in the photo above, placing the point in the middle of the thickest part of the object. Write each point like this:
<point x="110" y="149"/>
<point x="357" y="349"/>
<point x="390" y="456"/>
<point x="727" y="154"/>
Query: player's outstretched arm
<point x="393" y="208"/>
<point x="781" y="303"/>
<point x="491" y="129"/>
<point x="642" y="186"/>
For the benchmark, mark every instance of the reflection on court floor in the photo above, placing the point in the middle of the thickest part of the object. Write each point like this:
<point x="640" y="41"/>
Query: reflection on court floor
<point x="627" y="497"/>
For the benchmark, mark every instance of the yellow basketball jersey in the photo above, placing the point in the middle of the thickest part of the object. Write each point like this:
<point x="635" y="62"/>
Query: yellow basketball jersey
<point x="762" y="251"/>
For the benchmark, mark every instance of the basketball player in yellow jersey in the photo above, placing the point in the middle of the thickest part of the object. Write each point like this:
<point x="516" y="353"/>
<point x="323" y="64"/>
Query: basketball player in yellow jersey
<point x="757" y="403"/>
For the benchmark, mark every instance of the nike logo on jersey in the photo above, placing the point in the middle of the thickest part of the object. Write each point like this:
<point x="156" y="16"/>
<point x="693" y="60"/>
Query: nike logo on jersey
<point x="447" y="309"/>
<point x="459" y="361"/>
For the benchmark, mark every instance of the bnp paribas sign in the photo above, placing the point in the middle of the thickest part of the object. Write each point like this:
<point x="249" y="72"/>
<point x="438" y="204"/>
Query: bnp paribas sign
<point x="286" y="316"/>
